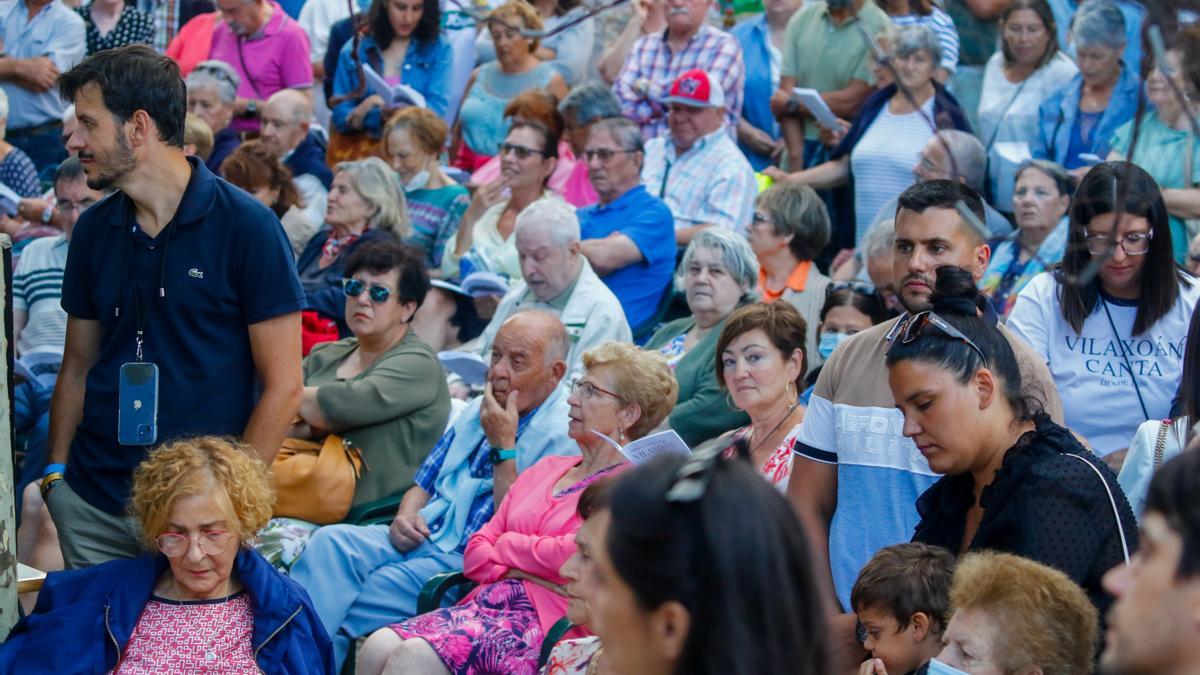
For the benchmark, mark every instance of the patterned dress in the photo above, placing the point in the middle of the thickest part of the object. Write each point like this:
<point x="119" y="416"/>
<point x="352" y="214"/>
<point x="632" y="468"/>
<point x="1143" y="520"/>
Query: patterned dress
<point x="196" y="636"/>
<point x="778" y="467"/>
<point x="573" y="657"/>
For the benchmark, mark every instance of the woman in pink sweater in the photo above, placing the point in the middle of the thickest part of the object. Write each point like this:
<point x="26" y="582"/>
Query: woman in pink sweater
<point x="498" y="628"/>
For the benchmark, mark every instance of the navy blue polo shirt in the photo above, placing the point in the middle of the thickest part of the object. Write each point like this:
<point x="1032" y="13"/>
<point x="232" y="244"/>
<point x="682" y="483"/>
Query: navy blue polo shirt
<point x="228" y="265"/>
<point x="646" y="220"/>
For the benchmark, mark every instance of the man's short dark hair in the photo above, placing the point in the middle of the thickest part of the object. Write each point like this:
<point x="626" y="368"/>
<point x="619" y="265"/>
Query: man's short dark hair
<point x="70" y="170"/>
<point x="132" y="78"/>
<point x="943" y="194"/>
<point x="904" y="579"/>
<point x="1172" y="495"/>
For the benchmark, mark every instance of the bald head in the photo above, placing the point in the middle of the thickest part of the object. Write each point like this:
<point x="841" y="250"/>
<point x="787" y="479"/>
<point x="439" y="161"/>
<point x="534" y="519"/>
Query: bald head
<point x="285" y="119"/>
<point x="528" y="358"/>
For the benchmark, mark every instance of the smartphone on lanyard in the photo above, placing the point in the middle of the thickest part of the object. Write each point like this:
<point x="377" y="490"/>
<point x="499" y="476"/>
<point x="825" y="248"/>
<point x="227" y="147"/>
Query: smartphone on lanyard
<point x="137" y="412"/>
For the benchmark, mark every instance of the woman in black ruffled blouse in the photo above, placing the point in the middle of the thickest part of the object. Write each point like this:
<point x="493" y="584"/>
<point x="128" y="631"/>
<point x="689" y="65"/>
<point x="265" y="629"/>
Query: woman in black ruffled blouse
<point x="1014" y="481"/>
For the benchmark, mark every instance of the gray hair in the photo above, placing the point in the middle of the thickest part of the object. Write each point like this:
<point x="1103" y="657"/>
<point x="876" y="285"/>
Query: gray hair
<point x="1055" y="171"/>
<point x="914" y="38"/>
<point x="216" y="74"/>
<point x="624" y="131"/>
<point x="590" y="102"/>
<point x="880" y="239"/>
<point x="970" y="159"/>
<point x="558" y="343"/>
<point x="1099" y="23"/>
<point x="795" y="209"/>
<point x="552" y="214"/>
<point x="375" y="181"/>
<point x="738" y="257"/>
<point x="3" y="104"/>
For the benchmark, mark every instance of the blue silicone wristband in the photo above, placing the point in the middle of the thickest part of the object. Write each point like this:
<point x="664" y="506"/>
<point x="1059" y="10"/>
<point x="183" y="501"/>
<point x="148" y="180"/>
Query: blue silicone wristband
<point x="52" y="468"/>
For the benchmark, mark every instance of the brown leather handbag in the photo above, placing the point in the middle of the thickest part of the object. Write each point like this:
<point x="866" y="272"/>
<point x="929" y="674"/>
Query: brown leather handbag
<point x="316" y="481"/>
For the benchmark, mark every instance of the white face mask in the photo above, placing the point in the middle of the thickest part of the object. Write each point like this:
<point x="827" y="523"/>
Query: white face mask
<point x="939" y="668"/>
<point x="418" y="181"/>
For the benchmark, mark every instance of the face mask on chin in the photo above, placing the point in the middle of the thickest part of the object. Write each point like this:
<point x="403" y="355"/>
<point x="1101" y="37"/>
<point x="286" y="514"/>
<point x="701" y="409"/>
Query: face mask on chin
<point x="939" y="668"/>
<point x="418" y="181"/>
<point x="829" y="341"/>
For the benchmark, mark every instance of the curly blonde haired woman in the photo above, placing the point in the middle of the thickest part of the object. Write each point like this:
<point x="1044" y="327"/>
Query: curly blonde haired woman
<point x="203" y="598"/>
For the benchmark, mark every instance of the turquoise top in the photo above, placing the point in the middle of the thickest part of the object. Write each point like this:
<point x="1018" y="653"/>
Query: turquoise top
<point x="1161" y="151"/>
<point x="482" y="113"/>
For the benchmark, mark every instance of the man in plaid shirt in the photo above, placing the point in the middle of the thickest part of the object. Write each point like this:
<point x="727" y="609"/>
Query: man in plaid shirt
<point x="658" y="59"/>
<point x="361" y="578"/>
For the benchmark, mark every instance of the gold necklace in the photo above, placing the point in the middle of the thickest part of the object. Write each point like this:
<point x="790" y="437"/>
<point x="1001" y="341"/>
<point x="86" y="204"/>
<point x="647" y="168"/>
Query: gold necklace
<point x="594" y="663"/>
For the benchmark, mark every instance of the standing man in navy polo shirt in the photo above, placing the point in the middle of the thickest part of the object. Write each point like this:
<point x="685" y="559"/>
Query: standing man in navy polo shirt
<point x="629" y="235"/>
<point x="177" y="269"/>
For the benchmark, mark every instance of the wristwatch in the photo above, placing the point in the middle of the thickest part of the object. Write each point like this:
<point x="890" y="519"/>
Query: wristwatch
<point x="252" y="108"/>
<point x="498" y="456"/>
<point x="47" y="214"/>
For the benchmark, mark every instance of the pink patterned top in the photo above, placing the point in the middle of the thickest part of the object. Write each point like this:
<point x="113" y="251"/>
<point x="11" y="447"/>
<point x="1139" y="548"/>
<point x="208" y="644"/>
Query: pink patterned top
<point x="778" y="467"/>
<point x="572" y="657"/>
<point x="199" y="636"/>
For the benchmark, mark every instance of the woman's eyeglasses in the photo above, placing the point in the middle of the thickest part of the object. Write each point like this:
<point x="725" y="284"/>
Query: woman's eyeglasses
<point x="174" y="545"/>
<point x="354" y="288"/>
<point x="911" y="326"/>
<point x="1134" y="243"/>
<point x="860" y="287"/>
<point x="520" y="151"/>
<point x="589" y="390"/>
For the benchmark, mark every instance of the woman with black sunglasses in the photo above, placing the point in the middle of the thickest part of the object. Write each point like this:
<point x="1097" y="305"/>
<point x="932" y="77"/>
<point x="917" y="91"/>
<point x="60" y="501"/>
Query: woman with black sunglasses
<point x="383" y="389"/>
<point x="1013" y="480"/>
<point x="1110" y="324"/>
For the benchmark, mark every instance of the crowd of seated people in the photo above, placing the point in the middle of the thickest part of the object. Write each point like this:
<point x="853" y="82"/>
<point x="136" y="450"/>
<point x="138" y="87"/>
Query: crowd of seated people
<point x="690" y="336"/>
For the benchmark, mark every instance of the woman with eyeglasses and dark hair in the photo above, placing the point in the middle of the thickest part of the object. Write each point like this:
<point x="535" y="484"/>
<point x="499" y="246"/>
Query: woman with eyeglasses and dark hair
<point x="201" y="599"/>
<point x="383" y="387"/>
<point x="623" y="394"/>
<point x="1110" y="322"/>
<point x="791" y="228"/>
<point x="1012" y="480"/>
<point x="706" y="571"/>
<point x="761" y="363"/>
<point x="1040" y="202"/>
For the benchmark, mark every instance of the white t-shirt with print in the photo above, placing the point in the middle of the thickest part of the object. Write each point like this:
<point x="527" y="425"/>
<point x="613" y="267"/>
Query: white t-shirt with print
<point x="1090" y="372"/>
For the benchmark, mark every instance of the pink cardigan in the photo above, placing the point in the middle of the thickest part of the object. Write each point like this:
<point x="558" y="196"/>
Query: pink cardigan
<point x="532" y="531"/>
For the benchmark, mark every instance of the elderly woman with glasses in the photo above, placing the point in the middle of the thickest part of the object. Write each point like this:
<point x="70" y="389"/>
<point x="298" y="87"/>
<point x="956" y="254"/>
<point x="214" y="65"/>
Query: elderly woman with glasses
<point x="790" y="228"/>
<point x="384" y="387"/>
<point x="204" y="599"/>
<point x="1079" y="119"/>
<point x="211" y="92"/>
<point x="365" y="204"/>
<point x="1114" y="340"/>
<point x="517" y="556"/>
<point x="717" y="275"/>
<point x="1012" y="480"/>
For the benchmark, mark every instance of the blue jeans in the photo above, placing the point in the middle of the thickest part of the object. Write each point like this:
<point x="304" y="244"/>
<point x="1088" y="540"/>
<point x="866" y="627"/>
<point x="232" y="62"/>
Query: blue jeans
<point x="359" y="582"/>
<point x="45" y="148"/>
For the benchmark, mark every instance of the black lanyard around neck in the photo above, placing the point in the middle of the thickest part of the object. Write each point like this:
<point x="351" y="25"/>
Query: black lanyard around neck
<point x="142" y="315"/>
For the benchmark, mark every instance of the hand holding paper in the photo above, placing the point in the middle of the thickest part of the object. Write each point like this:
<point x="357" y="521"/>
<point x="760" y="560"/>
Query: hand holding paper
<point x="648" y="447"/>
<point x="816" y="107"/>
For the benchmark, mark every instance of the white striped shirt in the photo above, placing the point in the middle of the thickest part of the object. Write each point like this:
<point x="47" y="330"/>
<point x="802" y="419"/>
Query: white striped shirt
<point x="37" y="291"/>
<point x="883" y="159"/>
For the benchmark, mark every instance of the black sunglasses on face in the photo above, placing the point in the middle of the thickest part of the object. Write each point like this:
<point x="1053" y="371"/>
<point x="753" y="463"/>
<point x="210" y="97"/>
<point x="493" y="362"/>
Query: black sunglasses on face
<point x="353" y="288"/>
<point x="860" y="287"/>
<point x="603" y="154"/>
<point x="521" y="151"/>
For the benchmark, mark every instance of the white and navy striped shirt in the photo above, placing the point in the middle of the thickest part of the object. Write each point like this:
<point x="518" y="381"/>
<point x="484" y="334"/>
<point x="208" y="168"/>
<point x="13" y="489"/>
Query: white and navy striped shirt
<point x="37" y="291"/>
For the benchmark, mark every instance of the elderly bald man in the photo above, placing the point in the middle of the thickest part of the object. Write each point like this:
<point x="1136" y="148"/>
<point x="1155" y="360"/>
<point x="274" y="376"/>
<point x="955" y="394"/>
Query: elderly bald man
<point x="361" y="578"/>
<point x="285" y="132"/>
<point x="556" y="277"/>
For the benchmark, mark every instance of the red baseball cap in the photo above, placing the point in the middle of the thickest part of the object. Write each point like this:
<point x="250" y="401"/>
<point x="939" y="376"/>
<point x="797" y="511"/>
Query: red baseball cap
<point x="698" y="89"/>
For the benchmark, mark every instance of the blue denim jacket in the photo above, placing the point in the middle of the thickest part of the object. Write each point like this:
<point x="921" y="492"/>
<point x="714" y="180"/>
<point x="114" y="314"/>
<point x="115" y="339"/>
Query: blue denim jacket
<point x="752" y="35"/>
<point x="426" y="69"/>
<point x="1059" y="111"/>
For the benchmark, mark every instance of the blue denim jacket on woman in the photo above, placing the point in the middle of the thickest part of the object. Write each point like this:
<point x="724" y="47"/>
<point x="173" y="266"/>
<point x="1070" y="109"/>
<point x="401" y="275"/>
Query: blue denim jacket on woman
<point x="1058" y="114"/>
<point x="426" y="69"/>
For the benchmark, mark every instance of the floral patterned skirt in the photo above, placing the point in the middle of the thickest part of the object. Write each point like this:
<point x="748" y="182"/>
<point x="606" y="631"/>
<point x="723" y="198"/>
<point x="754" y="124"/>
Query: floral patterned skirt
<point x="496" y="632"/>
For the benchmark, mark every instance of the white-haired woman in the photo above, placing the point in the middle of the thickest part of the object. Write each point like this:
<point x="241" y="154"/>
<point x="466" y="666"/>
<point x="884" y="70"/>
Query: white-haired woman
<point x="718" y="274"/>
<point x="211" y="91"/>
<point x="365" y="203"/>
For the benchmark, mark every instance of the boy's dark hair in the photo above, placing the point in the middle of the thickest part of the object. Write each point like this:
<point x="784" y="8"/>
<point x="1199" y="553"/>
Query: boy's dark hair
<point x="1172" y="495"/>
<point x="132" y="78"/>
<point x="905" y="579"/>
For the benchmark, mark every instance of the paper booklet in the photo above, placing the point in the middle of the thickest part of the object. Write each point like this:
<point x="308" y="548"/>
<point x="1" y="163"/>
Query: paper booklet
<point x="393" y="95"/>
<point x="644" y="449"/>
<point x="468" y="365"/>
<point x="9" y="200"/>
<point x="817" y="106"/>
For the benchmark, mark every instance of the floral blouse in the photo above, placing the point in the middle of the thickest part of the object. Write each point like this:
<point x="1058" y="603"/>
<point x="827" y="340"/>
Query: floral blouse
<point x="572" y="657"/>
<point x="778" y="467"/>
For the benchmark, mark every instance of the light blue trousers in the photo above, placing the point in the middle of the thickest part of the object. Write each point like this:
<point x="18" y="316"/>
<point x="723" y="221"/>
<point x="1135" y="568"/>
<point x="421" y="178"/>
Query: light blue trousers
<point x="359" y="582"/>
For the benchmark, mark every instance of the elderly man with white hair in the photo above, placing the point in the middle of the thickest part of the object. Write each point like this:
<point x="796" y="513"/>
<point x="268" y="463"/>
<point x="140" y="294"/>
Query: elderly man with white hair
<point x="557" y="278"/>
<point x="285" y="132"/>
